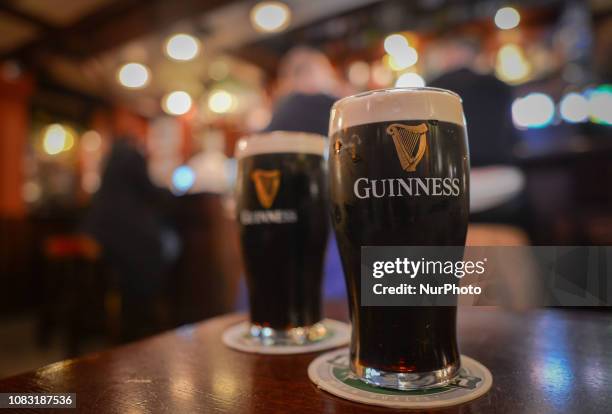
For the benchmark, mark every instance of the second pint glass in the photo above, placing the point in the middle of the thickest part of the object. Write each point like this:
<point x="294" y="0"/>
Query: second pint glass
<point x="282" y="211"/>
<point x="399" y="172"/>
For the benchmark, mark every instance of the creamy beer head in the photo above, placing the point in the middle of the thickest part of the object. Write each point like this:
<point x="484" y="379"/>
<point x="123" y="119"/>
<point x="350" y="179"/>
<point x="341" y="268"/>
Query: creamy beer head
<point x="397" y="104"/>
<point x="279" y="142"/>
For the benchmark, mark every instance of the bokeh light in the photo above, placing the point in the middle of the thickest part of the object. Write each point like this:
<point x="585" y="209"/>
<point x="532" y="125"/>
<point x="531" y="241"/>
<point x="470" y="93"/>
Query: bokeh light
<point x="507" y="18"/>
<point x="56" y="139"/>
<point x="535" y="110"/>
<point x="359" y="73"/>
<point x="91" y="141"/>
<point x="270" y="16"/>
<point x="402" y="61"/>
<point x="511" y="65"/>
<point x="381" y="74"/>
<point x="410" y="80"/>
<point x="400" y="55"/>
<point x="395" y="44"/>
<point x="31" y="191"/>
<point x="600" y="104"/>
<point x="183" y="178"/>
<point x="177" y="103"/>
<point x="574" y="107"/>
<point x="182" y="46"/>
<point x="90" y="182"/>
<point x="220" y="101"/>
<point x="133" y="75"/>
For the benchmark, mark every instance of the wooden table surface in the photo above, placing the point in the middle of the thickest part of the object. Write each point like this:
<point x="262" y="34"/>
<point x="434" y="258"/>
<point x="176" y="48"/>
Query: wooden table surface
<point x="543" y="361"/>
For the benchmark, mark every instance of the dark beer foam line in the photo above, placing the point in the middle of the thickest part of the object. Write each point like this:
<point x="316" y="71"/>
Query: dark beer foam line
<point x="394" y="104"/>
<point x="281" y="142"/>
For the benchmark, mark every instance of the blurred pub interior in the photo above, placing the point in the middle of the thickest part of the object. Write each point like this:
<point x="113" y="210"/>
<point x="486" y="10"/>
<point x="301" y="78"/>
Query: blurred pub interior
<point x="118" y="121"/>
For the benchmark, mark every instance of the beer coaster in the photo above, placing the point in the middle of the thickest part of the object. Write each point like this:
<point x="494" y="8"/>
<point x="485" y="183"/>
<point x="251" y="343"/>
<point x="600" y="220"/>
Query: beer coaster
<point x="237" y="337"/>
<point x="331" y="373"/>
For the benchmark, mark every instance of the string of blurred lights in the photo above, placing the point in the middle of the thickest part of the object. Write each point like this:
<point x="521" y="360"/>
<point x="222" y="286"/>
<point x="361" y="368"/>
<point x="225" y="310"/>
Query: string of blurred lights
<point x="265" y="16"/>
<point x="274" y="16"/>
<point x="538" y="110"/>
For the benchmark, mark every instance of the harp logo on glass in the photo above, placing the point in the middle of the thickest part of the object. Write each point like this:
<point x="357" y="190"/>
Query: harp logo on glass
<point x="267" y="184"/>
<point x="410" y="143"/>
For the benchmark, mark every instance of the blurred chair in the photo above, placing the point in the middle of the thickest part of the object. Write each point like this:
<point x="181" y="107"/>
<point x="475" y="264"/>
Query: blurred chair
<point x="74" y="291"/>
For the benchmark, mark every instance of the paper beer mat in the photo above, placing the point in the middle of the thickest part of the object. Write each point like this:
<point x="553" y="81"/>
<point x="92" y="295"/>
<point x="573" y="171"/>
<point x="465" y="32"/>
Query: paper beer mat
<point x="237" y="337"/>
<point x="331" y="373"/>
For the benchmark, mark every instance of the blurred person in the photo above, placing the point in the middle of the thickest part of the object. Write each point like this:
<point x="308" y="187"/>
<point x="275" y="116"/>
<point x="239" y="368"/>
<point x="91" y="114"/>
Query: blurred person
<point x="126" y="218"/>
<point x="307" y="89"/>
<point x="487" y="100"/>
<point x="487" y="103"/>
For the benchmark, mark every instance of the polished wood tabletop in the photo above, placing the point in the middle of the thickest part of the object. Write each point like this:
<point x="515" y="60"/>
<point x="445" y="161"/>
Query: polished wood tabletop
<point x="542" y="361"/>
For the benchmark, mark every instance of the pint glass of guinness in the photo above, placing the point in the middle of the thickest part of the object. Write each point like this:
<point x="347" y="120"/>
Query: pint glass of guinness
<point x="399" y="171"/>
<point x="283" y="216"/>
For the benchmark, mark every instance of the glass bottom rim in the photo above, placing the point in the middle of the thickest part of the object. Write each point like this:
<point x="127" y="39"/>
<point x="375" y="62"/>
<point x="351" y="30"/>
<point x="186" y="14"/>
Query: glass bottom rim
<point x="406" y="381"/>
<point x="299" y="335"/>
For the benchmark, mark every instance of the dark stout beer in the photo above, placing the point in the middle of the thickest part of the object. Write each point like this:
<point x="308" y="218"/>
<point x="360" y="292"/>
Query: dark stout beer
<point x="399" y="172"/>
<point x="282" y="210"/>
